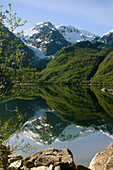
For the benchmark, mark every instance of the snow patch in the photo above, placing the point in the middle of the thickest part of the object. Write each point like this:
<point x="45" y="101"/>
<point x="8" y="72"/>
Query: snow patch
<point x="72" y="132"/>
<point x="107" y="34"/>
<point x="73" y="35"/>
<point x="38" y="52"/>
<point x="29" y="33"/>
<point x="106" y="133"/>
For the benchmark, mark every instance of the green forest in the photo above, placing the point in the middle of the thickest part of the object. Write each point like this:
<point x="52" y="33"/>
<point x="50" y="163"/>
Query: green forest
<point x="79" y="63"/>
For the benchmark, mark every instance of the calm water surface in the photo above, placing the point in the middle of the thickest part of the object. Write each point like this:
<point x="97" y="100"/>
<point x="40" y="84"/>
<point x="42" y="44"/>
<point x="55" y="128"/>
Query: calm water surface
<point x="76" y="117"/>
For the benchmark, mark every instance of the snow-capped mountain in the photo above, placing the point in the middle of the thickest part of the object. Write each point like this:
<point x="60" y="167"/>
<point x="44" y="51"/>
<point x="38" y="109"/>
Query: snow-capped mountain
<point x="45" y="37"/>
<point x="73" y="35"/>
<point x="72" y="132"/>
<point x="49" y="127"/>
<point x="46" y="127"/>
<point x="107" y="129"/>
<point x="107" y="38"/>
<point x="51" y="38"/>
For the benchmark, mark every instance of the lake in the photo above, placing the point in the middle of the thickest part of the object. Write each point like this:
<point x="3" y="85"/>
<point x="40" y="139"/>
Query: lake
<point x="76" y="117"/>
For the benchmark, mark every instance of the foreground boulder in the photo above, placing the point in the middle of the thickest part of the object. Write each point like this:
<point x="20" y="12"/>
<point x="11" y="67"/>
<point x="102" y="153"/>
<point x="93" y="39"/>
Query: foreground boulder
<point x="15" y="160"/>
<point x="46" y="159"/>
<point x="103" y="160"/>
<point x="56" y="158"/>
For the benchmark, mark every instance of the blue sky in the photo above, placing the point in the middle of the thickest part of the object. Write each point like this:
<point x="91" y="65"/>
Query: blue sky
<point x="92" y="15"/>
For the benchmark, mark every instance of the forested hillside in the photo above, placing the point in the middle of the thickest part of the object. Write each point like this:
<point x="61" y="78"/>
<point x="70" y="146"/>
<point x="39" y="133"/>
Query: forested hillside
<point x="104" y="73"/>
<point x="77" y="63"/>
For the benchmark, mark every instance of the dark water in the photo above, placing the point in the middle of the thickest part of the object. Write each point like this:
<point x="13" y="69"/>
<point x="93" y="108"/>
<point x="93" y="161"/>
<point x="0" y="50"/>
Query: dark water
<point x="76" y="117"/>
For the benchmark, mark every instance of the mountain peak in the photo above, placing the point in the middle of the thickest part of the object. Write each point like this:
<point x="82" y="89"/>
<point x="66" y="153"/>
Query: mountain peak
<point x="46" y="23"/>
<point x="73" y="35"/>
<point x="107" y="38"/>
<point x="46" y="37"/>
<point x="107" y="34"/>
<point x="51" y="38"/>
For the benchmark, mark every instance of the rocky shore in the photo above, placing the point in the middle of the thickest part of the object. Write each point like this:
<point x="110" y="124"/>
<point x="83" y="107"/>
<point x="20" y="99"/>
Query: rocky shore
<point x="53" y="159"/>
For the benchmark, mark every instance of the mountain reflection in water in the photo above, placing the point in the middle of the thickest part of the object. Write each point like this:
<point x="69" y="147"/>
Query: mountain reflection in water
<point x="59" y="113"/>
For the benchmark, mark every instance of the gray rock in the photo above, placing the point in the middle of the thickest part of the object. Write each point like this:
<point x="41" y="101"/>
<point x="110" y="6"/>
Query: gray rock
<point x="39" y="168"/>
<point x="43" y="168"/>
<point x="14" y="157"/>
<point x="16" y="164"/>
<point x="103" y="160"/>
<point x="57" y="168"/>
<point x="56" y="157"/>
<point x="24" y="168"/>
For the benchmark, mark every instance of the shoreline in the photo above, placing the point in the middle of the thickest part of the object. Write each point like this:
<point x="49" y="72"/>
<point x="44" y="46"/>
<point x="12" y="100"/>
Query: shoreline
<point x="53" y="159"/>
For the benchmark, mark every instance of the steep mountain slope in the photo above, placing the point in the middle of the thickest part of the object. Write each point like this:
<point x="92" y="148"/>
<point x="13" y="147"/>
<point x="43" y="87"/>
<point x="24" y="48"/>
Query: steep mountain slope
<point x="104" y="74"/>
<point x="46" y="37"/>
<point x="107" y="38"/>
<point x="76" y="63"/>
<point x="31" y="58"/>
<point x="50" y="38"/>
